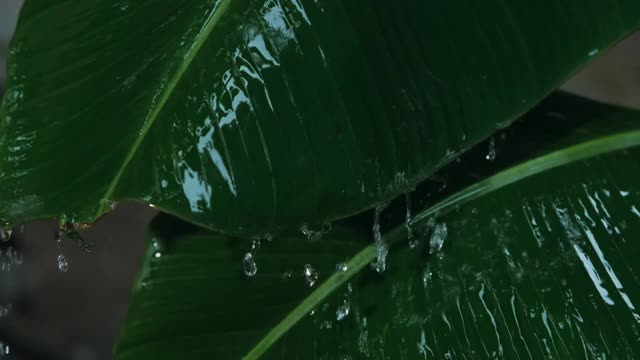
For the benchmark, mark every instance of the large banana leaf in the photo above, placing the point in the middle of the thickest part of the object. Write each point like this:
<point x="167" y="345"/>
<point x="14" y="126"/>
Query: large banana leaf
<point x="537" y="260"/>
<point x="248" y="116"/>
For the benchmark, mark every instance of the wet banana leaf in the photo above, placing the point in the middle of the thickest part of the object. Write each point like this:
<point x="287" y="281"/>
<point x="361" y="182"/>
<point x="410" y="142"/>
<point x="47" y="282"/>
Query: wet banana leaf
<point x="203" y="295"/>
<point x="249" y="116"/>
<point x="535" y="260"/>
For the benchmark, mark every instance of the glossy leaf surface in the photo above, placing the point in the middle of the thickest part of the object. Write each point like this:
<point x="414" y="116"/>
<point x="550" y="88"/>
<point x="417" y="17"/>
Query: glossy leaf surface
<point x="543" y="268"/>
<point x="194" y="298"/>
<point x="248" y="116"/>
<point x="534" y="261"/>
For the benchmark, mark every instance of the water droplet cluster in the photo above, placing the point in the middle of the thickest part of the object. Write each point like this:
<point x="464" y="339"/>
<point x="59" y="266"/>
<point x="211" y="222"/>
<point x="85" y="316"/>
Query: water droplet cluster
<point x="310" y="274"/>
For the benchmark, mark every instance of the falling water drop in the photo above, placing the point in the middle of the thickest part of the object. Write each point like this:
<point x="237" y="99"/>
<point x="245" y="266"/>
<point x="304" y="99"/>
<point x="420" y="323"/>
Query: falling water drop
<point x="491" y="154"/>
<point x="157" y="253"/>
<point x="249" y="262"/>
<point x="326" y="325"/>
<point x="5" y="234"/>
<point x="57" y="236"/>
<point x="4" y="310"/>
<point x="255" y="246"/>
<point x="343" y="310"/>
<point x="158" y="247"/>
<point x="4" y="349"/>
<point x="382" y="248"/>
<point x="63" y="265"/>
<point x="342" y="267"/>
<point x="6" y="260"/>
<point x="306" y="231"/>
<point x="315" y="233"/>
<point x="427" y="275"/>
<point x="413" y="241"/>
<point x="250" y="267"/>
<point x="310" y="274"/>
<point x="15" y="256"/>
<point x="437" y="238"/>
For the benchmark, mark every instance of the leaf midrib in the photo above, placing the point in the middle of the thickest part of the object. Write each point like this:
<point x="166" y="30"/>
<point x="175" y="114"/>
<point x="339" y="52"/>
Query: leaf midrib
<point x="581" y="151"/>
<point x="214" y="17"/>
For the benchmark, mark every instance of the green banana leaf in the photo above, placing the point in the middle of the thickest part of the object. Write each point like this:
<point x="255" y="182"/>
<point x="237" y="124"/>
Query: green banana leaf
<point x="533" y="257"/>
<point x="252" y="116"/>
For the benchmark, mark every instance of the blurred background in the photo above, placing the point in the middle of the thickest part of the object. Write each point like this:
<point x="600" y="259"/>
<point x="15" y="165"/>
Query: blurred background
<point x="46" y="313"/>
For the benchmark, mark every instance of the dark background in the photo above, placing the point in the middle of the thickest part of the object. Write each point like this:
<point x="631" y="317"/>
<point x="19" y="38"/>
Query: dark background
<point x="77" y="314"/>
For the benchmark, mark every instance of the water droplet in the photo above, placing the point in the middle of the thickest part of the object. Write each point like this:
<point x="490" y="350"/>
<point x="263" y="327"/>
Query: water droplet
<point x="4" y="349"/>
<point x="5" y="234"/>
<point x="157" y="247"/>
<point x="310" y="274"/>
<point x="287" y="275"/>
<point x="343" y="310"/>
<point x="437" y="238"/>
<point x="491" y="154"/>
<point x="16" y="257"/>
<point x="250" y="267"/>
<point x="594" y="52"/>
<point x="63" y="265"/>
<point x="382" y="248"/>
<point x="342" y="267"/>
<point x="164" y="183"/>
<point x="413" y="241"/>
<point x="326" y="325"/>
<point x="57" y="236"/>
<point x="255" y="246"/>
<point x="4" y="310"/>
<point x="475" y="211"/>
<point x="427" y="275"/>
<point x="315" y="233"/>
